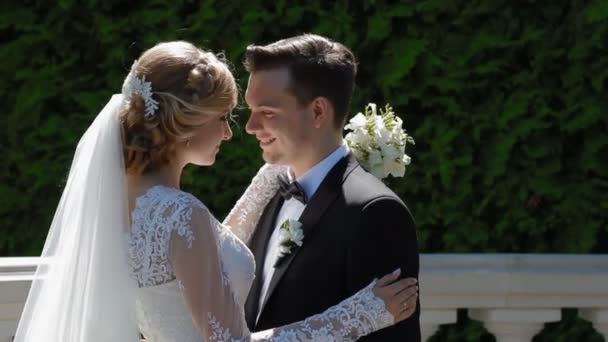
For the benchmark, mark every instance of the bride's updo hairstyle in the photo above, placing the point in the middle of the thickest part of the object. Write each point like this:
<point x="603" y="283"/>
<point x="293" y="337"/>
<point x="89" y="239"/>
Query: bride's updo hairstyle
<point x="191" y="87"/>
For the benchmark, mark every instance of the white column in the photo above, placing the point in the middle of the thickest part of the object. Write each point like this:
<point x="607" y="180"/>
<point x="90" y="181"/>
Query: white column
<point x="515" y="325"/>
<point x="7" y="330"/>
<point x="430" y="319"/>
<point x="599" y="318"/>
<point x="9" y="316"/>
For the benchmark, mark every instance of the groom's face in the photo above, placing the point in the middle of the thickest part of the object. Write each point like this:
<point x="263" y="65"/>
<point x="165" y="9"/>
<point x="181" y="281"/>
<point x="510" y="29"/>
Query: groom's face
<point x="281" y="124"/>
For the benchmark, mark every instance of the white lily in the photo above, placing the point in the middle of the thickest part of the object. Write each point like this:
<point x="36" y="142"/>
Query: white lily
<point x="357" y="122"/>
<point x="378" y="141"/>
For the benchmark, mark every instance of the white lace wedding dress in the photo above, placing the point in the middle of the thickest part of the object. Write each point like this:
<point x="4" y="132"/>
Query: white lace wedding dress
<point x="194" y="273"/>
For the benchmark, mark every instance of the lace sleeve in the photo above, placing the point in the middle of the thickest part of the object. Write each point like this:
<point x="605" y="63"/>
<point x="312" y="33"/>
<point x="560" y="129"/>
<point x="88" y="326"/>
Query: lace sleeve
<point x="245" y="214"/>
<point x="218" y="314"/>
<point x="206" y="288"/>
<point x="355" y="317"/>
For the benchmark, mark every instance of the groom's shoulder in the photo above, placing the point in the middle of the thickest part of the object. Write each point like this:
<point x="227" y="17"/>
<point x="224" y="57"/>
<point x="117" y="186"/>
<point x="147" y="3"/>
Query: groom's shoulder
<point x="361" y="187"/>
<point x="368" y="199"/>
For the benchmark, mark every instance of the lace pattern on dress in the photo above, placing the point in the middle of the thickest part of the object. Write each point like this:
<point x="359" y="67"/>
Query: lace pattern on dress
<point x="157" y="214"/>
<point x="245" y="215"/>
<point x="355" y="317"/>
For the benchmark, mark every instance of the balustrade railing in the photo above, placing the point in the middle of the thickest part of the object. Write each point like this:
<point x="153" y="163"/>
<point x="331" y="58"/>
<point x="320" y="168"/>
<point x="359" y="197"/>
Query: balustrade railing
<point x="513" y="295"/>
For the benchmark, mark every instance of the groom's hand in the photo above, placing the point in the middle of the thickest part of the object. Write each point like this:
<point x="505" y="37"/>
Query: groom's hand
<point x="399" y="296"/>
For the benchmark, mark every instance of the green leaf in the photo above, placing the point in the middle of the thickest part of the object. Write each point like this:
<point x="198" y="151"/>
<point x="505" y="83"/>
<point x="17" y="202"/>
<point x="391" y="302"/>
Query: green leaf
<point x="596" y="11"/>
<point x="400" y="58"/>
<point x="379" y="26"/>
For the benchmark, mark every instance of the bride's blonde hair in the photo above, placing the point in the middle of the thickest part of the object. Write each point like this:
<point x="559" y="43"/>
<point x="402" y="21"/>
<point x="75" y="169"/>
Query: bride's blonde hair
<point x="191" y="86"/>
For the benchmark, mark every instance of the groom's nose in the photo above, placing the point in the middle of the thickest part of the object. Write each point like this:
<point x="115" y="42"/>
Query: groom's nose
<point x="253" y="123"/>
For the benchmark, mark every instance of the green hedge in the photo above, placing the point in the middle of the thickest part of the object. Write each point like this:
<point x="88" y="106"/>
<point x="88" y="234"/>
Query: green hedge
<point x="506" y="100"/>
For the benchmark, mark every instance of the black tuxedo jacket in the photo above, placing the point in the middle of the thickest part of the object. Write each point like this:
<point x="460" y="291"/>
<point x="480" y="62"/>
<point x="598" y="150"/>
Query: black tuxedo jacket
<point x="356" y="229"/>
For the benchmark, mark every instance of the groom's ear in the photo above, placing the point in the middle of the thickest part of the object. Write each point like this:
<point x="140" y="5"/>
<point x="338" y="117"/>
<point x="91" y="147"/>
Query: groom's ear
<point x="323" y="112"/>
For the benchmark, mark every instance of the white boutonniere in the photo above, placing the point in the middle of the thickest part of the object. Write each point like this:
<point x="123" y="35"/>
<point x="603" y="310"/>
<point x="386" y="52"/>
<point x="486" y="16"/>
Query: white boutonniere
<point x="291" y="236"/>
<point x="378" y="141"/>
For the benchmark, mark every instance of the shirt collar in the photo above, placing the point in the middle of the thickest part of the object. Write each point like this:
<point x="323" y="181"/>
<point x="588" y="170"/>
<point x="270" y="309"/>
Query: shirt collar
<point x="311" y="180"/>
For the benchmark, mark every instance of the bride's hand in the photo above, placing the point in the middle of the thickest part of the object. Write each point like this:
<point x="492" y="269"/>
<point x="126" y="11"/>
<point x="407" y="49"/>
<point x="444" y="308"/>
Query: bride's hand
<point x="399" y="296"/>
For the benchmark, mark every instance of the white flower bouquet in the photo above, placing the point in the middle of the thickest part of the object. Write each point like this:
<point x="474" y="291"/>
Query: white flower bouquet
<point x="378" y="140"/>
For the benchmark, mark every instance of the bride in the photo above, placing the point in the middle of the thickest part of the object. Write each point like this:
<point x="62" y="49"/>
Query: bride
<point x="128" y="252"/>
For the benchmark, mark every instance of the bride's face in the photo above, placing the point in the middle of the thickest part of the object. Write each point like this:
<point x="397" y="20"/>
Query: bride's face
<point x="281" y="124"/>
<point x="205" y="144"/>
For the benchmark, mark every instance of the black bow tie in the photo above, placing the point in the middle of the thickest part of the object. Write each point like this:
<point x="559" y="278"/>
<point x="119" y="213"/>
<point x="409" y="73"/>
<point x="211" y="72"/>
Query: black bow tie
<point x="292" y="190"/>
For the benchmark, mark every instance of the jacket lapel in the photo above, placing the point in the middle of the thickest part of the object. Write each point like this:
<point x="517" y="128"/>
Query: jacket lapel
<point x="325" y="195"/>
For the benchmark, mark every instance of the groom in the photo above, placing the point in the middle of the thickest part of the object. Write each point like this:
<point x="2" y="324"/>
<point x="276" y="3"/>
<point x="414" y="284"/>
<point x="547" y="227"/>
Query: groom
<point x="355" y="228"/>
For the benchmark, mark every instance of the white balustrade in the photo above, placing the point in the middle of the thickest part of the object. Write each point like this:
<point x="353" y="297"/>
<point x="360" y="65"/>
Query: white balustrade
<point x="599" y="319"/>
<point x="513" y="295"/>
<point x="15" y="277"/>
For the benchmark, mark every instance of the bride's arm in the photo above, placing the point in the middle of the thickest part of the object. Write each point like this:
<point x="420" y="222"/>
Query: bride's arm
<point x="219" y="316"/>
<point x="245" y="214"/>
<point x="377" y="306"/>
<point x="196" y="260"/>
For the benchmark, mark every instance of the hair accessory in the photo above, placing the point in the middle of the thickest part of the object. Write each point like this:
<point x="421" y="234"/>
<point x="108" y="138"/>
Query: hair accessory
<point x="134" y="85"/>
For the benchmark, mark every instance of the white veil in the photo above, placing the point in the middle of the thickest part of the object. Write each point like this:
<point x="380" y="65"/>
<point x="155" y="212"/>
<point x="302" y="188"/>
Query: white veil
<point x="82" y="290"/>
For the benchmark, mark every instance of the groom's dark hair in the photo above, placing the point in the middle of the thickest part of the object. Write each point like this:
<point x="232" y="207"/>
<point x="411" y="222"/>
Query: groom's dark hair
<point x="317" y="65"/>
